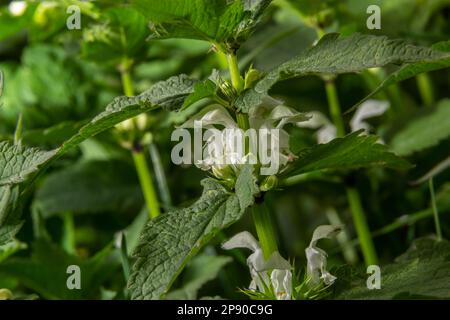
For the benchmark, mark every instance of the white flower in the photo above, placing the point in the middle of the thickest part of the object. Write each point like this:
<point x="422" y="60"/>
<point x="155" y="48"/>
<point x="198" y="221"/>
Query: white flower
<point x="17" y="8"/>
<point x="317" y="258"/>
<point x="270" y="114"/>
<point x="327" y="131"/>
<point x="278" y="267"/>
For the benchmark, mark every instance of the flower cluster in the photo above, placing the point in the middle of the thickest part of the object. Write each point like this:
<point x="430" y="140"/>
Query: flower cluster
<point x="273" y="276"/>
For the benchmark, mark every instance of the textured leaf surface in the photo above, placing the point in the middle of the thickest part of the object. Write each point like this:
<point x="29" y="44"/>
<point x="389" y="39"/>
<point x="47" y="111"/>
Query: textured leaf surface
<point x="9" y="220"/>
<point x="169" y="241"/>
<point x="197" y="19"/>
<point x="336" y="55"/>
<point x="350" y="152"/>
<point x="203" y="89"/>
<point x="168" y="94"/>
<point x="410" y="70"/>
<point x="217" y="21"/>
<point x="17" y="162"/>
<point x="422" y="272"/>
<point x="424" y="132"/>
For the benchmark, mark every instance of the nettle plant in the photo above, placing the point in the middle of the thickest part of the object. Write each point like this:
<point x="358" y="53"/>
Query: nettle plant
<point x="240" y="99"/>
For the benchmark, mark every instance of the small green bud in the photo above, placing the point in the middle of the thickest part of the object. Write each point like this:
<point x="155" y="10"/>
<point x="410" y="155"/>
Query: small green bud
<point x="147" y="139"/>
<point x="251" y="76"/>
<point x="224" y="173"/>
<point x="5" y="294"/>
<point x="269" y="183"/>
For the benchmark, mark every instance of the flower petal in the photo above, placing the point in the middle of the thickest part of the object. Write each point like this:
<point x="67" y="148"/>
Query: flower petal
<point x="242" y="240"/>
<point x="324" y="231"/>
<point x="212" y="115"/>
<point x="317" y="258"/>
<point x="276" y="261"/>
<point x="369" y="109"/>
<point x="282" y="284"/>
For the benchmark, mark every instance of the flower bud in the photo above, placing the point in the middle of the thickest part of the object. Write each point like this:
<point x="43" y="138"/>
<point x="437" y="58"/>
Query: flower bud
<point x="269" y="183"/>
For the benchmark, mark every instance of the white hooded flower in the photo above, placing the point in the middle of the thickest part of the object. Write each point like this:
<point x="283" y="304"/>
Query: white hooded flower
<point x="317" y="258"/>
<point x="280" y="277"/>
<point x="327" y="131"/>
<point x="221" y="149"/>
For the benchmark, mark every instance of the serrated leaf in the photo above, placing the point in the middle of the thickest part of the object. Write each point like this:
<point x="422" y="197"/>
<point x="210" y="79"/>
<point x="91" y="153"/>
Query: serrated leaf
<point x="9" y="220"/>
<point x="171" y="240"/>
<point x="17" y="163"/>
<point x="424" y="132"/>
<point x="8" y="232"/>
<point x="195" y="19"/>
<point x="350" y="152"/>
<point x="200" y="270"/>
<point x="336" y="55"/>
<point x="168" y="94"/>
<point x="411" y="70"/>
<point x="422" y="272"/>
<point x="222" y="22"/>
<point x="89" y="187"/>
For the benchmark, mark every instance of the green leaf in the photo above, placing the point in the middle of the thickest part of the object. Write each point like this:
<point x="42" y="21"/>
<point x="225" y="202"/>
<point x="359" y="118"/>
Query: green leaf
<point x="121" y="34"/>
<point x="422" y="272"/>
<point x="90" y="187"/>
<point x="9" y="222"/>
<point x="199" y="271"/>
<point x="18" y="162"/>
<point x="350" y="152"/>
<point x="222" y="22"/>
<point x="8" y="232"/>
<point x="336" y="55"/>
<point x="46" y="274"/>
<point x="168" y="94"/>
<point x="194" y="19"/>
<point x="171" y="240"/>
<point x="408" y="71"/>
<point x="424" y="132"/>
<point x="202" y="90"/>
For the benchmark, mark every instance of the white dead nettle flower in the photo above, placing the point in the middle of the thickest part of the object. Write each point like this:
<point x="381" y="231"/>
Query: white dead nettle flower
<point x="280" y="276"/>
<point x="326" y="129"/>
<point x="317" y="258"/>
<point x="222" y="150"/>
<point x="17" y="8"/>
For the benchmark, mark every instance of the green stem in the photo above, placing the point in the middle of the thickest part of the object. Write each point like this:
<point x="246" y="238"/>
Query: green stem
<point x="260" y="213"/>
<point x="264" y="229"/>
<point x="335" y="108"/>
<point x="140" y="162"/>
<point x="348" y="250"/>
<point x="362" y="228"/>
<point x="124" y="256"/>
<point x="359" y="217"/>
<point x="127" y="83"/>
<point x="236" y="79"/>
<point x="145" y="179"/>
<point x="425" y="89"/>
<point x="18" y="131"/>
<point x="308" y="176"/>
<point x="160" y="176"/>
<point x="68" y="239"/>
<point x="435" y="211"/>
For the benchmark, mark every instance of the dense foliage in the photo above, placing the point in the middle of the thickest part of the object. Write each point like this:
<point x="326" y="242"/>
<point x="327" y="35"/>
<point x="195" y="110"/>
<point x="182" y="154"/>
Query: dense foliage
<point x="91" y="93"/>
